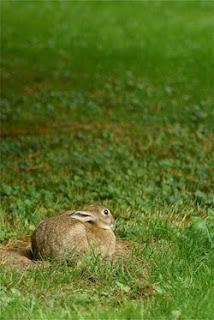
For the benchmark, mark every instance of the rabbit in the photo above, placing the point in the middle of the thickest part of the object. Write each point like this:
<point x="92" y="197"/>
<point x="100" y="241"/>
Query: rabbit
<point x="77" y="233"/>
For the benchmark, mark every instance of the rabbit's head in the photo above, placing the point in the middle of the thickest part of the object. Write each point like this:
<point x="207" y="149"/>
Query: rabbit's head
<point x="95" y="214"/>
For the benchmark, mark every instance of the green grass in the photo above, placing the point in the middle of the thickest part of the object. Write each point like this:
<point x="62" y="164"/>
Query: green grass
<point x="110" y="102"/>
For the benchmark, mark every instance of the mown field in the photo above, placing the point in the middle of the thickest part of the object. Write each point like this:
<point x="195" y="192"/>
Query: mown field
<point x="110" y="102"/>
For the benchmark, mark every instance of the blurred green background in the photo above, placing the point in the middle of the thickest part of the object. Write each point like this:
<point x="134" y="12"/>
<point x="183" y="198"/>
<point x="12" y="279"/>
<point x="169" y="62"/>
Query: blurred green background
<point x="154" y="57"/>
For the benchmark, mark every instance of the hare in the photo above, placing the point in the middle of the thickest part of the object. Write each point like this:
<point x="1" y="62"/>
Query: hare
<point x="75" y="232"/>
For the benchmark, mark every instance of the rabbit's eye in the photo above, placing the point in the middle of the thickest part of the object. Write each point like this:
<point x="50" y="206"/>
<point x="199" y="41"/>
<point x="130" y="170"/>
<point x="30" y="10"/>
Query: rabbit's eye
<point x="106" y="212"/>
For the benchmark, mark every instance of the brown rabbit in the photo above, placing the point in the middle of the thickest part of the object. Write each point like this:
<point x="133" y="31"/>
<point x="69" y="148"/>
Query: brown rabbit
<point x="75" y="232"/>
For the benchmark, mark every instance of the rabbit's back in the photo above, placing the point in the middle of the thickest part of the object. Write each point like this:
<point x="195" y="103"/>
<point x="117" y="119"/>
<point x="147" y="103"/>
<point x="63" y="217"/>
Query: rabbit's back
<point x="57" y="237"/>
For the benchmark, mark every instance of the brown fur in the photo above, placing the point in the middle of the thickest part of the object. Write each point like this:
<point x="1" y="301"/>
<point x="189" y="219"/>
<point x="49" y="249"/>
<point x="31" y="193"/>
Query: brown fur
<point x="63" y="235"/>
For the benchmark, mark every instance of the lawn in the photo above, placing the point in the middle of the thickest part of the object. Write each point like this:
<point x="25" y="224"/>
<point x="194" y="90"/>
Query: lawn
<point x="110" y="102"/>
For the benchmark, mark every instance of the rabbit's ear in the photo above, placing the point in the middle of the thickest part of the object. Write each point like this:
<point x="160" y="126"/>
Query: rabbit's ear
<point x="83" y="216"/>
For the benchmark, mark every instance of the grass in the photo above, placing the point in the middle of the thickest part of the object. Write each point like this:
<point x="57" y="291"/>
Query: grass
<point x="110" y="102"/>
